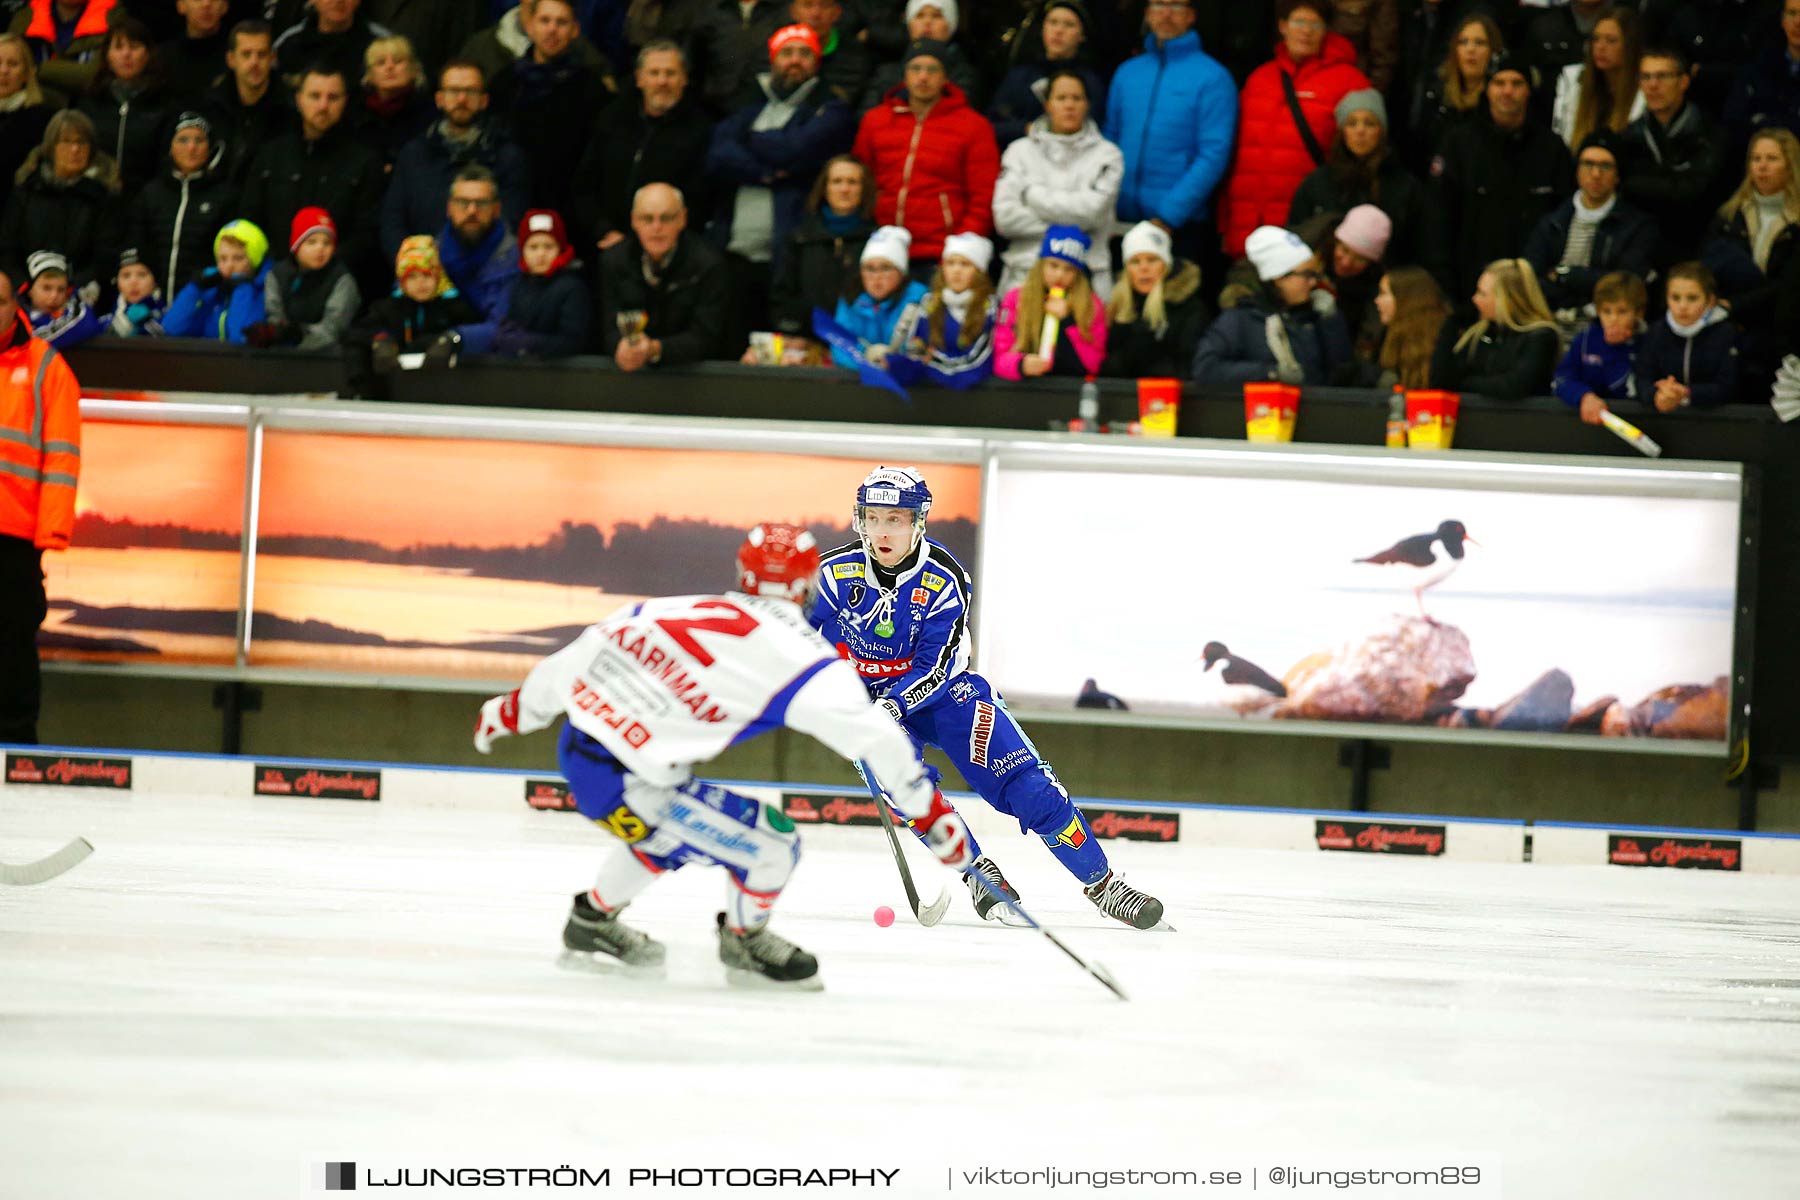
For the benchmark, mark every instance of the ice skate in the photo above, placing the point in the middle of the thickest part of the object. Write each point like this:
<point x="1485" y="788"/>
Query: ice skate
<point x="1119" y="900"/>
<point x="599" y="941"/>
<point x="762" y="959"/>
<point x="988" y="906"/>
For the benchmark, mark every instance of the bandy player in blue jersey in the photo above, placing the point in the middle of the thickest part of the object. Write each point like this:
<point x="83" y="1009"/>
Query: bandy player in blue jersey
<point x="896" y="604"/>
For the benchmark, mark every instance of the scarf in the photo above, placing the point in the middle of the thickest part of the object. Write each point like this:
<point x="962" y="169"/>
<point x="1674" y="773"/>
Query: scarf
<point x="14" y="102"/>
<point x="1712" y="316"/>
<point x="1767" y="218"/>
<point x="387" y="110"/>
<point x="839" y="226"/>
<point x="463" y="262"/>
<point x="957" y="304"/>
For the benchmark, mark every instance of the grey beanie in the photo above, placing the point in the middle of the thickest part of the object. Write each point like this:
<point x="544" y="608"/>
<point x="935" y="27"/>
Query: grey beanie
<point x="1362" y="100"/>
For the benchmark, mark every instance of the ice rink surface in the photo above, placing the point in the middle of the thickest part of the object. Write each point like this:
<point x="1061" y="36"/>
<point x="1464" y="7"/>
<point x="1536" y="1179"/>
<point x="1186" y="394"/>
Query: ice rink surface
<point x="229" y="992"/>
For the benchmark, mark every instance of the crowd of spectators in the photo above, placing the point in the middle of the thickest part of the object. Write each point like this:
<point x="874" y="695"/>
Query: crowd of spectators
<point x="1507" y="197"/>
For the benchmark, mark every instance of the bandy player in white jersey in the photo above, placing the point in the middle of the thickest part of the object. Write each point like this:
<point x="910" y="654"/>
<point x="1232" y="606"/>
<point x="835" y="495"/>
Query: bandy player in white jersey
<point x="670" y="683"/>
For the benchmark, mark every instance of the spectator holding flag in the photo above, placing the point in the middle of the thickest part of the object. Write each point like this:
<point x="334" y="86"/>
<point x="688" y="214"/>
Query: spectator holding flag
<point x="874" y="317"/>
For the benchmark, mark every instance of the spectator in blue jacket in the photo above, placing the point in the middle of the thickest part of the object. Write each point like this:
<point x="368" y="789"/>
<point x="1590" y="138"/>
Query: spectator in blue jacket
<point x="1690" y="357"/>
<point x="1173" y="111"/>
<point x="887" y="295"/>
<point x="548" y="314"/>
<point x="1767" y="91"/>
<point x="227" y="298"/>
<point x="56" y="316"/>
<point x="479" y="254"/>
<point x="952" y="338"/>
<point x="1601" y="363"/>
<point x="765" y="157"/>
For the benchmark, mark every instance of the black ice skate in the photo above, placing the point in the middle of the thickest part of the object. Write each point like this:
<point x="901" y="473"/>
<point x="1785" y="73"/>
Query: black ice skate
<point x="599" y="940"/>
<point x="762" y="959"/>
<point x="1119" y="900"/>
<point x="988" y="906"/>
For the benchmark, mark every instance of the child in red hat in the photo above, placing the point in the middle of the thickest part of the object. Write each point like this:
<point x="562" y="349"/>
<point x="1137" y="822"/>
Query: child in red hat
<point x="549" y="312"/>
<point x="311" y="298"/>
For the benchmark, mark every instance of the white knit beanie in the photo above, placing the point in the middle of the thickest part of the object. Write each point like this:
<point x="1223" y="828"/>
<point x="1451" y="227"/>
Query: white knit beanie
<point x="947" y="7"/>
<point x="1275" y="251"/>
<point x="1147" y="237"/>
<point x="891" y="244"/>
<point x="971" y="246"/>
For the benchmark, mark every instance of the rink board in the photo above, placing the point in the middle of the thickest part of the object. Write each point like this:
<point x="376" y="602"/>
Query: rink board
<point x="827" y="812"/>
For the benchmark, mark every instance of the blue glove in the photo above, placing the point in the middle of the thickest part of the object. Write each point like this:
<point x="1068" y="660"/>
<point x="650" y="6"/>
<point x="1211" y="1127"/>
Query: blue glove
<point x="138" y="313"/>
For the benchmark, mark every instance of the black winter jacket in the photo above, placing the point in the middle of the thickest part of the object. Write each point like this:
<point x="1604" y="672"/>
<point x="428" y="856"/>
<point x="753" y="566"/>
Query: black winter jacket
<point x="549" y="316"/>
<point x="80" y="220"/>
<point x="419" y="187"/>
<point x="819" y="269"/>
<point x="1674" y="176"/>
<point x="245" y="130"/>
<point x="728" y="51"/>
<point x="1235" y="349"/>
<point x="686" y="310"/>
<point x="133" y="131"/>
<point x="173" y="220"/>
<point x="1502" y="364"/>
<point x="549" y="112"/>
<point x="1707" y="363"/>
<point x="1625" y="241"/>
<point x="629" y="149"/>
<point x="1134" y="351"/>
<point x="410" y="323"/>
<point x="21" y="132"/>
<point x="336" y="172"/>
<point x="1490" y="189"/>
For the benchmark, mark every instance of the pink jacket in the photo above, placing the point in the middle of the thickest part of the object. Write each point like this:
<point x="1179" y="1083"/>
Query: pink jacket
<point x="1010" y="351"/>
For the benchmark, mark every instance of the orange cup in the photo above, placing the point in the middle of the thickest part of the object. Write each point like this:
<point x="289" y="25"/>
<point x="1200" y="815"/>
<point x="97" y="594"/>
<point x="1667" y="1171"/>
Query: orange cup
<point x="1159" y="404"/>
<point x="1431" y="419"/>
<point x="1269" y="411"/>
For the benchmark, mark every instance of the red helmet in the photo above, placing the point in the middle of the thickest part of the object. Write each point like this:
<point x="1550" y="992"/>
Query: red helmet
<point x="778" y="560"/>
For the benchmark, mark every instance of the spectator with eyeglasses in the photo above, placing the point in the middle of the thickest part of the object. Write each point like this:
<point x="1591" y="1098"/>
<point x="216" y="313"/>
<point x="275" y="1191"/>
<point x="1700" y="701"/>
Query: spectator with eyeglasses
<point x="1288" y="330"/>
<point x="1672" y="158"/>
<point x="662" y="290"/>
<point x="479" y="254"/>
<point x="463" y="134"/>
<point x="1592" y="234"/>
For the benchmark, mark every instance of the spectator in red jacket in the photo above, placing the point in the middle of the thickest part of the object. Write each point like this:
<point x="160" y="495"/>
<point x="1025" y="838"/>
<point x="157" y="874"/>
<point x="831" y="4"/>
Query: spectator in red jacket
<point x="933" y="158"/>
<point x="1312" y="69"/>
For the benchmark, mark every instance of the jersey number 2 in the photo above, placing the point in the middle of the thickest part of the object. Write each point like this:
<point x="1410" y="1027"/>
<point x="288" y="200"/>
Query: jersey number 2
<point x="737" y="623"/>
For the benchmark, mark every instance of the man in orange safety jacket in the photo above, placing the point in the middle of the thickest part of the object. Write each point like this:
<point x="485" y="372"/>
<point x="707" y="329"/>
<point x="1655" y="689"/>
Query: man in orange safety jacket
<point x="40" y="458"/>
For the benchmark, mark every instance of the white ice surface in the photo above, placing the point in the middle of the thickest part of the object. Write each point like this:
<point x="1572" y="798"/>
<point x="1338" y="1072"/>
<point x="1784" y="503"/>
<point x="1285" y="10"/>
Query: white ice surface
<point x="228" y="992"/>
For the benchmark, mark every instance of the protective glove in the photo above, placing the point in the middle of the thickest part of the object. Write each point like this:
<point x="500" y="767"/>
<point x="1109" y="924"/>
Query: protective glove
<point x="889" y="707"/>
<point x="137" y="313"/>
<point x="499" y="717"/>
<point x="946" y="833"/>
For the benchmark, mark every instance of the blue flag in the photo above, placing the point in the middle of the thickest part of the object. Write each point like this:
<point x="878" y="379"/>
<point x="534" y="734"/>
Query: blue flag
<point x="842" y="339"/>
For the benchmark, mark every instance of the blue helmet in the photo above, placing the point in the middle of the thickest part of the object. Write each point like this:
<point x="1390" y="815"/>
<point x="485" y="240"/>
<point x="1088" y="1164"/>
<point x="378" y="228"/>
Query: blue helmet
<point x="892" y="487"/>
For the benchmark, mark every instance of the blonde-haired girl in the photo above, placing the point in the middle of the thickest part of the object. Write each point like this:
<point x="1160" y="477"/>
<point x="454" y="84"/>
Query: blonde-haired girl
<point x="1511" y="352"/>
<point x="1056" y="288"/>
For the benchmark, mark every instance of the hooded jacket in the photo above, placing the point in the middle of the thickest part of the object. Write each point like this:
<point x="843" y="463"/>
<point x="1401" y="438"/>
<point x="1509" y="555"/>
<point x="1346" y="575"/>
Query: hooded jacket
<point x="1706" y="360"/>
<point x="79" y="219"/>
<point x="1171" y="111"/>
<point x="1237" y="350"/>
<point x="1593" y="364"/>
<point x="1057" y="179"/>
<point x="1136" y="351"/>
<point x="174" y="218"/>
<point x="935" y="175"/>
<point x="1272" y="157"/>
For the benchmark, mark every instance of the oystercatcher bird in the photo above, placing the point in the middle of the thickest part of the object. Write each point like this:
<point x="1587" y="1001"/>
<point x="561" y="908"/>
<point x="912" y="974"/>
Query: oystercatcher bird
<point x="1424" y="559"/>
<point x="1243" y="686"/>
